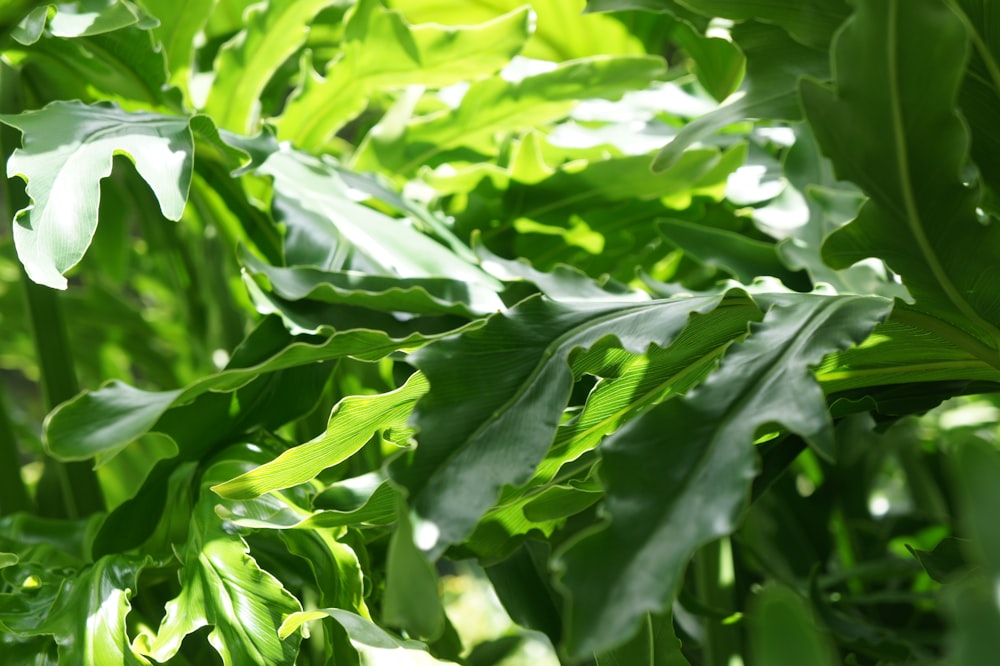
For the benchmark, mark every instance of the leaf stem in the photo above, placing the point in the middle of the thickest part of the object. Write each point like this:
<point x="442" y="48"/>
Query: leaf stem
<point x="713" y="578"/>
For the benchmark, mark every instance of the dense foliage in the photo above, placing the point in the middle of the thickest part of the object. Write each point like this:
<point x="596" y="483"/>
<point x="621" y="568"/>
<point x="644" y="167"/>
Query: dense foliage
<point x="639" y="316"/>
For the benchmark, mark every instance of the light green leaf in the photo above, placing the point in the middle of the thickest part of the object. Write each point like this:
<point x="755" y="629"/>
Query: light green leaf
<point x="782" y="632"/>
<point x="266" y="512"/>
<point x="223" y="587"/>
<point x="430" y="295"/>
<point x="496" y="105"/>
<point x="894" y="130"/>
<point x="180" y="23"/>
<point x="375" y="646"/>
<point x="693" y="456"/>
<point x="560" y="32"/>
<point x="273" y="32"/>
<point x="352" y="423"/>
<point x="67" y="150"/>
<point x="381" y="50"/>
<point x="7" y="559"/>
<point x="522" y="381"/>
<point x="327" y="217"/>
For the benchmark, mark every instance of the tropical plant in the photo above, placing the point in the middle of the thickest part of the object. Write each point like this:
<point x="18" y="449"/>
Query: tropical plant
<point x="640" y="317"/>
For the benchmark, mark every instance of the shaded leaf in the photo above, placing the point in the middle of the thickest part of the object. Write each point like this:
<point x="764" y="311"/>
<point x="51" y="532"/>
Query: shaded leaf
<point x="920" y="218"/>
<point x="706" y="465"/>
<point x="469" y="450"/>
<point x="782" y="632"/>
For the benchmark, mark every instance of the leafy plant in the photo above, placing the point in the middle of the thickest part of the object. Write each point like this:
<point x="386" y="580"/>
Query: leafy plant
<point x="670" y="322"/>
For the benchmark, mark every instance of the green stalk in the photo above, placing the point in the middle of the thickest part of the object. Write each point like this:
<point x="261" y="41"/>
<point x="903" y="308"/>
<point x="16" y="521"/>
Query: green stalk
<point x="78" y="491"/>
<point x="13" y="494"/>
<point x="714" y="585"/>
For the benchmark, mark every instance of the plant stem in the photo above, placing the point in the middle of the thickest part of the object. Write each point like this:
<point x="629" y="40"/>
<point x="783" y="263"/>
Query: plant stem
<point x="713" y="572"/>
<point x="13" y="494"/>
<point x="78" y="488"/>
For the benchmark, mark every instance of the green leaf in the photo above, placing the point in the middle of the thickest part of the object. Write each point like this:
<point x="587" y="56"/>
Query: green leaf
<point x="326" y="218"/>
<point x="718" y="63"/>
<point x="411" y="585"/>
<point x="812" y="22"/>
<point x="67" y="150"/>
<point x="921" y="216"/>
<point x="375" y="646"/>
<point x="744" y="257"/>
<point x="222" y="586"/>
<point x="104" y="421"/>
<point x="81" y="18"/>
<point x="419" y="295"/>
<point x="7" y="559"/>
<point x="774" y="65"/>
<point x="352" y="423"/>
<point x="273" y="32"/>
<point x="706" y="465"/>
<point x="560" y="31"/>
<point x="381" y="50"/>
<point x="470" y="449"/>
<point x="180" y="23"/>
<point x="782" y="632"/>
<point x="83" y="607"/>
<point x="497" y="105"/>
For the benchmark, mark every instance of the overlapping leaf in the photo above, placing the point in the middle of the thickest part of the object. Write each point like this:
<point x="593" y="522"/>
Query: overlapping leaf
<point x="103" y="421"/>
<point x="381" y="50"/>
<point x="497" y="105"/>
<point x="894" y="131"/>
<point x="470" y="449"/>
<point x="274" y="31"/>
<point x="352" y="423"/>
<point x="693" y="456"/>
<point x="223" y="587"/>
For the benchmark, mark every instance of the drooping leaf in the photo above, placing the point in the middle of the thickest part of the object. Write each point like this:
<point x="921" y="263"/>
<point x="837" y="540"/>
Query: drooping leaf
<point x="67" y="149"/>
<point x="381" y="50"/>
<point x="81" y="18"/>
<point x="694" y="456"/>
<point x="352" y="423"/>
<point x="411" y="585"/>
<point x="180" y="23"/>
<point x="103" y="421"/>
<point x="375" y="646"/>
<point x="921" y="215"/>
